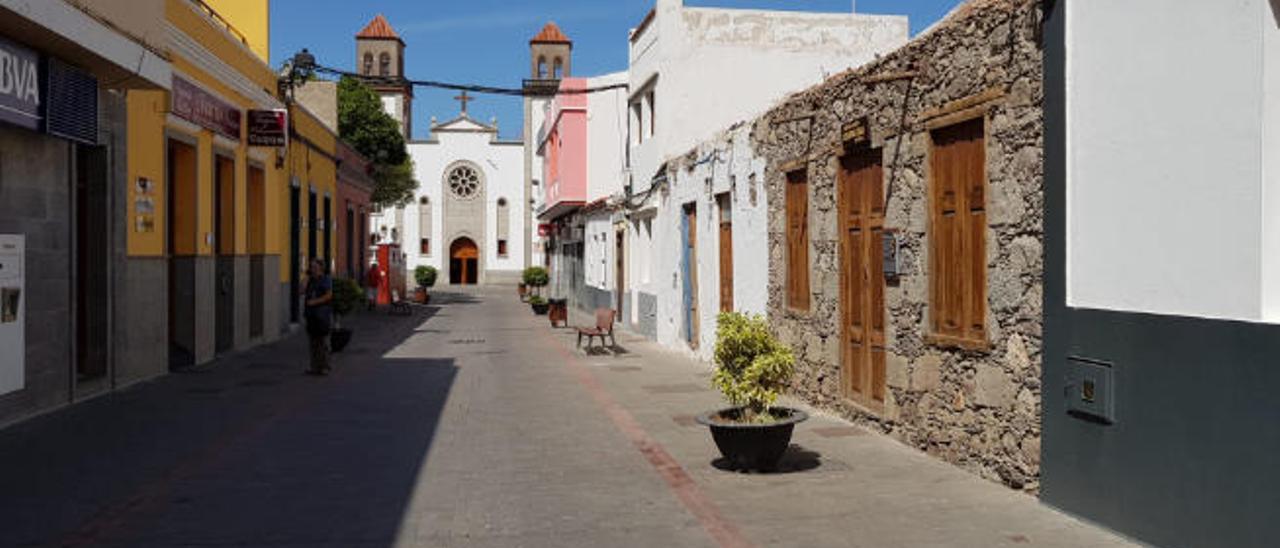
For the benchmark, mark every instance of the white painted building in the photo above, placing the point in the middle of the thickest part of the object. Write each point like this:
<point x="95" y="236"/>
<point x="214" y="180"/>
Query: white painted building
<point x="606" y="188"/>
<point x="717" y="196"/>
<point x="688" y="83"/>
<point x="689" y="79"/>
<point x="466" y="218"/>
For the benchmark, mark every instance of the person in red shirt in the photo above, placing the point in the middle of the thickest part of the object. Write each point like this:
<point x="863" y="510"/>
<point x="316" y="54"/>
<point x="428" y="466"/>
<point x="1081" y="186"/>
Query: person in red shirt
<point x="372" y="281"/>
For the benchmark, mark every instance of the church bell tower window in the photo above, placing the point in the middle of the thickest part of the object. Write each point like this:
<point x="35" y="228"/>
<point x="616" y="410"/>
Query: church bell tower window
<point x="384" y="64"/>
<point x="368" y="64"/>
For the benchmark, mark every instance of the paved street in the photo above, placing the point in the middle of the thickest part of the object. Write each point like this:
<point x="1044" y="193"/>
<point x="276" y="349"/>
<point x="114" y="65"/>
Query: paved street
<point x="472" y="424"/>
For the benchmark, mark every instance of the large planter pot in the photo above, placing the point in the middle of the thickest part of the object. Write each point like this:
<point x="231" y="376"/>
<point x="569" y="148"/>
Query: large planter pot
<point x="523" y="290"/>
<point x="558" y="311"/>
<point x="420" y="295"/>
<point x="540" y="309"/>
<point x="752" y="446"/>
<point x="339" y="339"/>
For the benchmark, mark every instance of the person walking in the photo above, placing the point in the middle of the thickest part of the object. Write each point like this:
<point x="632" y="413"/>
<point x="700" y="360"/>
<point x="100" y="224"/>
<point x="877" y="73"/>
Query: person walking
<point x="319" y="315"/>
<point x="372" y="281"/>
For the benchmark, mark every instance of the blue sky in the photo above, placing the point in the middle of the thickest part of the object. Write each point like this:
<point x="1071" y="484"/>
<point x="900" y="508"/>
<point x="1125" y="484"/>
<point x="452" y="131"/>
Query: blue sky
<point x="486" y="41"/>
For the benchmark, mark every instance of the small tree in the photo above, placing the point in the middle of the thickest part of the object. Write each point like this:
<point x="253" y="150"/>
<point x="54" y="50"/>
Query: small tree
<point x="425" y="276"/>
<point x="752" y="367"/>
<point x="346" y="296"/>
<point x="364" y="124"/>
<point x="536" y="277"/>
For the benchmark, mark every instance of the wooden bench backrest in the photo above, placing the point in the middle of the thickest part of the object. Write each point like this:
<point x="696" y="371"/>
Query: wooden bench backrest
<point x="604" y="319"/>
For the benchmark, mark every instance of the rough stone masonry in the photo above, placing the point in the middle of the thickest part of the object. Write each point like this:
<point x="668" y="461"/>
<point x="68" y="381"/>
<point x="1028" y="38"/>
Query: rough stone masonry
<point x="977" y="408"/>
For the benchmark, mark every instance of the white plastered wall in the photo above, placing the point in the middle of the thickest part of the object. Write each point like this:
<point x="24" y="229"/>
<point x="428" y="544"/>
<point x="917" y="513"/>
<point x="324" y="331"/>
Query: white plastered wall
<point x="728" y="161"/>
<point x="1172" y="194"/>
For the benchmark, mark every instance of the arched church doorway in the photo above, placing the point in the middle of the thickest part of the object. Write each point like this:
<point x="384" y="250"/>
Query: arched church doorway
<point x="464" y="259"/>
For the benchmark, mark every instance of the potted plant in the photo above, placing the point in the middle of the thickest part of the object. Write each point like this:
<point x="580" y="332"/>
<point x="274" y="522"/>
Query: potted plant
<point x="558" y="312"/>
<point x="522" y="289"/>
<point x="426" y="278"/>
<point x="752" y="368"/>
<point x="538" y="304"/>
<point x="347" y="297"/>
<point x="536" y="277"/>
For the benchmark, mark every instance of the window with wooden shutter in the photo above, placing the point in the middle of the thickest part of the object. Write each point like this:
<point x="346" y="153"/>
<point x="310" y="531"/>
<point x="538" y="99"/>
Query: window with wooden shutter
<point x="798" y="240"/>
<point x="958" y="273"/>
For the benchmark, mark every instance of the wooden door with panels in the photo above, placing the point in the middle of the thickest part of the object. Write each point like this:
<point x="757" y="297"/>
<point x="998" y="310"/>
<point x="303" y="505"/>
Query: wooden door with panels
<point x="861" y="212"/>
<point x="726" y="252"/>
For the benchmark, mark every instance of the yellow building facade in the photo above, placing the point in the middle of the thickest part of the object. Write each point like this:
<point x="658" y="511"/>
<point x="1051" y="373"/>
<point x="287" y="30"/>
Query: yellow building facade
<point x="221" y="225"/>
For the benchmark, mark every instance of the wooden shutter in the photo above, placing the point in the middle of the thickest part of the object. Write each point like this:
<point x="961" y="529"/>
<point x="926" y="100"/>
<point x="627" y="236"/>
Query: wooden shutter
<point x="798" y="240"/>
<point x="959" y="228"/>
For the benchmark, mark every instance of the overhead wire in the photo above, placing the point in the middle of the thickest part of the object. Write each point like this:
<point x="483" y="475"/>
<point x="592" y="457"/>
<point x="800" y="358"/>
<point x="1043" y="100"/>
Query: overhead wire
<point x="492" y="90"/>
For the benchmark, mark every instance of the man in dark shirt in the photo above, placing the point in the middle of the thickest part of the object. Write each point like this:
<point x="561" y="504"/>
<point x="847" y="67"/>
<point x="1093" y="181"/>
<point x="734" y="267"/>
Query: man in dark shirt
<point x="319" y="315"/>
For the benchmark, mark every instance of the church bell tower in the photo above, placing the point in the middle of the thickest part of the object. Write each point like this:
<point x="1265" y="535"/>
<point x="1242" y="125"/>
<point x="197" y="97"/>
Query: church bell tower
<point x="550" y="59"/>
<point x="380" y="54"/>
<point x="551" y="54"/>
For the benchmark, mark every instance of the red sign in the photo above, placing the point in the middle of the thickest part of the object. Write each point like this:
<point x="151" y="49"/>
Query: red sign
<point x="201" y="107"/>
<point x="268" y="128"/>
<point x="544" y="230"/>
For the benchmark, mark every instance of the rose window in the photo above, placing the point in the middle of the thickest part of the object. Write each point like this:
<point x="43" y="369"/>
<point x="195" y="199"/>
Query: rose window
<point x="464" y="182"/>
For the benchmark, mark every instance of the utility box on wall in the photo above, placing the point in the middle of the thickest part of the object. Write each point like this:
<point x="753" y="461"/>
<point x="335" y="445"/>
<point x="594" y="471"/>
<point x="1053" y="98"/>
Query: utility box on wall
<point x="12" y="313"/>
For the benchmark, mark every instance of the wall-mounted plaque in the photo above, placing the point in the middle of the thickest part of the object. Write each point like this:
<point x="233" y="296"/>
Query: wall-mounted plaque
<point x="891" y="248"/>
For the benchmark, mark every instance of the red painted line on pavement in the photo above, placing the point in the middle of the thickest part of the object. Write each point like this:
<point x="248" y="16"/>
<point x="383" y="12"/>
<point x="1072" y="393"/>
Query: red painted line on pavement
<point x="725" y="533"/>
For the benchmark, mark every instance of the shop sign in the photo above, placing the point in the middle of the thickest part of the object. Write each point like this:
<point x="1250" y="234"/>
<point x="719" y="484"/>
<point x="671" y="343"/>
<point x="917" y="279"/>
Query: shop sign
<point x="20" y="92"/>
<point x="201" y="107"/>
<point x="268" y="128"/>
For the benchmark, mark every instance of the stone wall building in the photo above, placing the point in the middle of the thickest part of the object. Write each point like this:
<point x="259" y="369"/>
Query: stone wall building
<point x="933" y="151"/>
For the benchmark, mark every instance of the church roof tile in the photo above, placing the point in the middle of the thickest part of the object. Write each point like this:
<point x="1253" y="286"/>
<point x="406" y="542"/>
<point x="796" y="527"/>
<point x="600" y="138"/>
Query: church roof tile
<point x="551" y="34"/>
<point x="378" y="28"/>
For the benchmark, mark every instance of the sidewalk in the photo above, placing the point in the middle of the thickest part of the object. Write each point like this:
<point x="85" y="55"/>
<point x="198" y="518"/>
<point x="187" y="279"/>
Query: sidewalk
<point x="840" y="485"/>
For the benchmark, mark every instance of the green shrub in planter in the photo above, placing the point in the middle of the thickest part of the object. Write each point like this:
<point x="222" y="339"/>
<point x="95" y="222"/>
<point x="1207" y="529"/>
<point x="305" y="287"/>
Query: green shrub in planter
<point x="346" y="296"/>
<point x="536" y="276"/>
<point x="537" y="300"/>
<point x="752" y="367"/>
<point x="425" y="276"/>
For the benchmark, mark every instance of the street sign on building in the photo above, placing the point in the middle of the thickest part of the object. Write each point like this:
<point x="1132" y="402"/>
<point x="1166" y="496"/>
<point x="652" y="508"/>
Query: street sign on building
<point x="268" y="128"/>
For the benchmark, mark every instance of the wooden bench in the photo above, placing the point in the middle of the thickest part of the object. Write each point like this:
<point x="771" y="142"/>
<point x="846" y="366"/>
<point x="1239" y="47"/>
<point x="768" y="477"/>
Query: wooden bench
<point x="602" y="329"/>
<point x="400" y="307"/>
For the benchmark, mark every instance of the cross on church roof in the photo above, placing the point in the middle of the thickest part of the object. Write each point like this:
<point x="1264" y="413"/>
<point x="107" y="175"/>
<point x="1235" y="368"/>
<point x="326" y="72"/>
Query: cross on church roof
<point x="464" y="98"/>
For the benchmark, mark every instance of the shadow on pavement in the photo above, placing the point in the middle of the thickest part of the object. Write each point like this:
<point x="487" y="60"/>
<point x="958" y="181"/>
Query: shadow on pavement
<point x="606" y="350"/>
<point x="796" y="459"/>
<point x="454" y="296"/>
<point x="250" y="452"/>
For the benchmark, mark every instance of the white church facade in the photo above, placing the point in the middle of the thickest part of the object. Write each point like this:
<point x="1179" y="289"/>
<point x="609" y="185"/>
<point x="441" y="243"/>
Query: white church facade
<point x="468" y="216"/>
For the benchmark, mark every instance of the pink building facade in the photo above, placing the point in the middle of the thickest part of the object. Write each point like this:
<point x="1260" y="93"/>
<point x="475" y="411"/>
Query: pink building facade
<point x="563" y="146"/>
